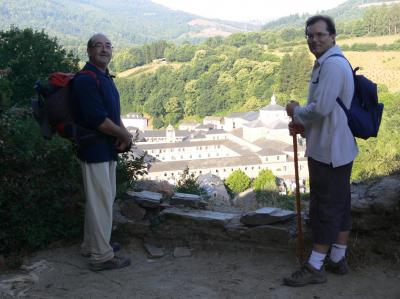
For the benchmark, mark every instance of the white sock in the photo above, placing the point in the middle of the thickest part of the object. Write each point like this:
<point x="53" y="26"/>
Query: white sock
<point x="316" y="259"/>
<point x="338" y="252"/>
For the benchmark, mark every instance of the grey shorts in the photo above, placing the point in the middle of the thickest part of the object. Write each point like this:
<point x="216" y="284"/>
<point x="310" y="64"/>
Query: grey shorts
<point x="330" y="201"/>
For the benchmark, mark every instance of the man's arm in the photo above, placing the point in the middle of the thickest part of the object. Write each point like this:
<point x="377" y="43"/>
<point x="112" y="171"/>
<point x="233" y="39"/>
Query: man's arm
<point x="108" y="127"/>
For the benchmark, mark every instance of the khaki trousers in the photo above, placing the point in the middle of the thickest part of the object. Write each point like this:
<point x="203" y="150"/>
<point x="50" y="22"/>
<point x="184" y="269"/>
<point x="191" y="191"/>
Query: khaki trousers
<point x="99" y="181"/>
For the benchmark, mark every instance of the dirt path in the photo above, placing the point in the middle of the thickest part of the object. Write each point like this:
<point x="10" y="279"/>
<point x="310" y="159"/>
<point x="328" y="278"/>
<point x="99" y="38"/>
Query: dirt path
<point x="206" y="274"/>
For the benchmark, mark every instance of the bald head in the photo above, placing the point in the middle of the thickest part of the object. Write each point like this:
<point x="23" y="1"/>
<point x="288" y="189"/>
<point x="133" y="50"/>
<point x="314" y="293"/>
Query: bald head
<point x="99" y="49"/>
<point x="93" y="38"/>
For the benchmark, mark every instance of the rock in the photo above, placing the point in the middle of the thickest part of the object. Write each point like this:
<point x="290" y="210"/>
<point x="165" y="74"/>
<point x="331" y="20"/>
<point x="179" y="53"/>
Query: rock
<point x="154" y="251"/>
<point x="146" y="199"/>
<point x="215" y="189"/>
<point x="188" y="200"/>
<point x="375" y="205"/>
<point x="199" y="215"/>
<point x="246" y="200"/>
<point x="182" y="252"/>
<point x="163" y="187"/>
<point x="266" y="216"/>
<point x="132" y="210"/>
<point x="378" y="196"/>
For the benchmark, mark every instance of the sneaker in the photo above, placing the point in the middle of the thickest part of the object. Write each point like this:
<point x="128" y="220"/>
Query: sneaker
<point x="115" y="247"/>
<point x="306" y="275"/>
<point x="115" y="263"/>
<point x="341" y="267"/>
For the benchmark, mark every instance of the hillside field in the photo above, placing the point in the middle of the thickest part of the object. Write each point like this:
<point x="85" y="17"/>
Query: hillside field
<point x="379" y="40"/>
<point x="381" y="67"/>
<point x="150" y="67"/>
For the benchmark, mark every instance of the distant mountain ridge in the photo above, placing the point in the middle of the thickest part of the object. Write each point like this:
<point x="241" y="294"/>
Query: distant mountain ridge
<point x="125" y="21"/>
<point x="351" y="9"/>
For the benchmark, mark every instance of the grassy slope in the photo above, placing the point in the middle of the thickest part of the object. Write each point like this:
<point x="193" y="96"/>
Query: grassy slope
<point x="147" y="68"/>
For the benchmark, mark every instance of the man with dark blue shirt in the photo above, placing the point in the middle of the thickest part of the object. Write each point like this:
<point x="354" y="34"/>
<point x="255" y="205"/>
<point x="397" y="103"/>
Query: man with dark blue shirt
<point x="96" y="106"/>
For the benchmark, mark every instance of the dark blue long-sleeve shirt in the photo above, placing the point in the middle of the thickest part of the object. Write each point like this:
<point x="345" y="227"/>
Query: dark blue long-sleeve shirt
<point x="91" y="103"/>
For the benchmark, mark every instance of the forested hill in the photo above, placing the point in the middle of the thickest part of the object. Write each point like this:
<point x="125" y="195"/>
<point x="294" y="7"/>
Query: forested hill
<point x="349" y="10"/>
<point x="125" y="21"/>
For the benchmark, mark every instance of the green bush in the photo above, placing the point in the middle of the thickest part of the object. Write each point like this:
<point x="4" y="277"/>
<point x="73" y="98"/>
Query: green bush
<point x="238" y="181"/>
<point x="41" y="189"/>
<point x="129" y="168"/>
<point x="41" y="198"/>
<point x="188" y="184"/>
<point x="265" y="181"/>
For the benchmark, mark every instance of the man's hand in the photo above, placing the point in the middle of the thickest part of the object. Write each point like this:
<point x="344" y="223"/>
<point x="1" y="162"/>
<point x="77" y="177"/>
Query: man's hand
<point x="290" y="107"/>
<point x="296" y="129"/>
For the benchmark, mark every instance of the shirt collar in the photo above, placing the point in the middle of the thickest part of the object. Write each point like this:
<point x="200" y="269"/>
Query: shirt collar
<point x="333" y="50"/>
<point x="93" y="68"/>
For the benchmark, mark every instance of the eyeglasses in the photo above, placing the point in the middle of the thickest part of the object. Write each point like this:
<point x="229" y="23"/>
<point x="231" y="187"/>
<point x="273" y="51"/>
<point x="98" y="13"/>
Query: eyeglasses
<point x="102" y="46"/>
<point x="318" y="35"/>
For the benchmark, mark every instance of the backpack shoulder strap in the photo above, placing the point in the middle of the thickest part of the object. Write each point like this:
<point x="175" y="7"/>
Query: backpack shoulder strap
<point x="91" y="74"/>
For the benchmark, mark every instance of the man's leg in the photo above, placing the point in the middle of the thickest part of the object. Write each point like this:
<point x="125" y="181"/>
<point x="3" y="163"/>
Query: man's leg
<point x="322" y="225"/>
<point x="98" y="211"/>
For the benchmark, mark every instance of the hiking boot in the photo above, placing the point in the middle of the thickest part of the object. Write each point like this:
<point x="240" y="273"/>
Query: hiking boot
<point x="306" y="275"/>
<point x="115" y="263"/>
<point x="115" y="247"/>
<point x="341" y="267"/>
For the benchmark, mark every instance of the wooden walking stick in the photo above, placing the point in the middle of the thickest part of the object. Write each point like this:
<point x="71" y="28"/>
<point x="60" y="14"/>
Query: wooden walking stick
<point x="299" y="233"/>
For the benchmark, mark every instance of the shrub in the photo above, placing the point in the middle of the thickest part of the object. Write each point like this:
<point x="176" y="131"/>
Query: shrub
<point x="129" y="168"/>
<point x="238" y="181"/>
<point x="265" y="181"/>
<point x="41" y="189"/>
<point x="41" y="197"/>
<point x="188" y="184"/>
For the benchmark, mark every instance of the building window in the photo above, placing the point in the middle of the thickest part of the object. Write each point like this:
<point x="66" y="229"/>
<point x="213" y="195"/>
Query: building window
<point x="277" y="157"/>
<point x="266" y="159"/>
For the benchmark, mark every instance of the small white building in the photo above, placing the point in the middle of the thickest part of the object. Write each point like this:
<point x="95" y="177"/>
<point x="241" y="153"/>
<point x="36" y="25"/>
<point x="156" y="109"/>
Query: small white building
<point x="216" y="121"/>
<point x="135" y="120"/>
<point x="188" y="126"/>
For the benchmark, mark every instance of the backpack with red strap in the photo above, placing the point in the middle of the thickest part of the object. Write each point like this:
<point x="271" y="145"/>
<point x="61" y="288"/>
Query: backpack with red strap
<point x="52" y="110"/>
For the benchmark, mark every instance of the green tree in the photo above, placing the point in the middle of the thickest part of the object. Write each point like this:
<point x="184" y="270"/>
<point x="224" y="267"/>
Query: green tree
<point x="188" y="184"/>
<point x="31" y="55"/>
<point x="238" y="181"/>
<point x="265" y="181"/>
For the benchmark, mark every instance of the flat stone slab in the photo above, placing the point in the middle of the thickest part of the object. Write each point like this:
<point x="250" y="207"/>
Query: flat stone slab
<point x="199" y="215"/>
<point x="154" y="251"/>
<point x="266" y="216"/>
<point x="187" y="200"/>
<point x="182" y="252"/>
<point x="146" y="199"/>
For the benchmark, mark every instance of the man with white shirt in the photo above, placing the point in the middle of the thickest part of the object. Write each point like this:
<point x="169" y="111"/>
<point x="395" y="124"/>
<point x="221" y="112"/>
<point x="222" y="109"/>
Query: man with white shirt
<point x="331" y="149"/>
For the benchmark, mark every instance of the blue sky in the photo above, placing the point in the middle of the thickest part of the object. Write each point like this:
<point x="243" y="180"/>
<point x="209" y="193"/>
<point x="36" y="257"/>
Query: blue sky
<point x="248" y="10"/>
